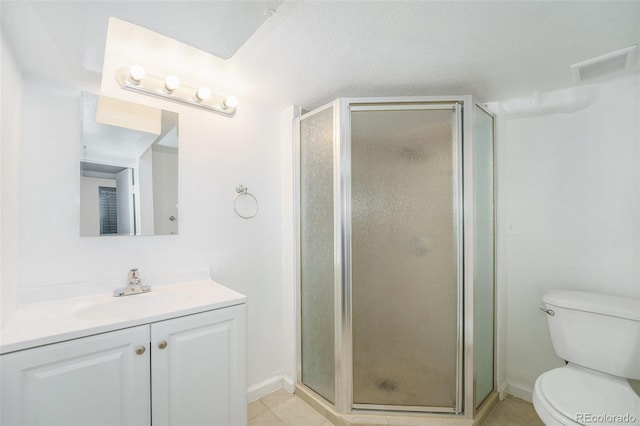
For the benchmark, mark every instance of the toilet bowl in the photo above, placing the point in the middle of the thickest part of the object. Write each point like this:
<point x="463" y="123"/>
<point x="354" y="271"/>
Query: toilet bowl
<point x="599" y="337"/>
<point x="573" y="395"/>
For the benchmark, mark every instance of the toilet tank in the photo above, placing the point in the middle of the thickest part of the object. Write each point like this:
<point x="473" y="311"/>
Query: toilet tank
<point x="596" y="331"/>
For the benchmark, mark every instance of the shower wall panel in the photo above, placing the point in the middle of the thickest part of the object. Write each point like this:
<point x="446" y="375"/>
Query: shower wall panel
<point x="317" y="254"/>
<point x="484" y="273"/>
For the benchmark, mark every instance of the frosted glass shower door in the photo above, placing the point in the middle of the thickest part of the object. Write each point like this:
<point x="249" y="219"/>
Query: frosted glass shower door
<point x="405" y="236"/>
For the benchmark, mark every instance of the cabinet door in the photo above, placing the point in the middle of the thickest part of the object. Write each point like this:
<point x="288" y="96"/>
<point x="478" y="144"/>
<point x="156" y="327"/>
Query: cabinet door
<point x="199" y="377"/>
<point x="97" y="380"/>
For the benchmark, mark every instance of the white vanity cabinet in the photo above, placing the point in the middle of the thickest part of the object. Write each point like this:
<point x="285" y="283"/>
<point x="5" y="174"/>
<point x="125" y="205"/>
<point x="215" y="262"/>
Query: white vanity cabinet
<point x="189" y="370"/>
<point x="198" y="369"/>
<point x="96" y="380"/>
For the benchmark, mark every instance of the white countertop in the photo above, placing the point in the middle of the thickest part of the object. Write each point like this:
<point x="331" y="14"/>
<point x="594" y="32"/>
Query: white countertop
<point x="37" y="324"/>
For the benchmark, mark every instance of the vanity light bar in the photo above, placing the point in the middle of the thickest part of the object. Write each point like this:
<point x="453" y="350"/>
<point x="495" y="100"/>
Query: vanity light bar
<point x="137" y="80"/>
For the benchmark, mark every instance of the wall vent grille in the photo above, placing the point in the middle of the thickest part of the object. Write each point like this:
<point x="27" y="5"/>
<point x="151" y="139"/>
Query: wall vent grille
<point x="610" y="63"/>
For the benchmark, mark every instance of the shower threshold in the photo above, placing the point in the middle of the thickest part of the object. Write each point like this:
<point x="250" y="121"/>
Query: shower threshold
<point x="370" y="417"/>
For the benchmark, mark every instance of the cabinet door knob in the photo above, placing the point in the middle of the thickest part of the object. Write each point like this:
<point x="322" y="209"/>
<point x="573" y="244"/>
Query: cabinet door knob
<point x="140" y="350"/>
<point x="162" y="344"/>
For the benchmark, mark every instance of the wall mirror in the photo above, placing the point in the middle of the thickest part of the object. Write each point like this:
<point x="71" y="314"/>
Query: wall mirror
<point x="128" y="168"/>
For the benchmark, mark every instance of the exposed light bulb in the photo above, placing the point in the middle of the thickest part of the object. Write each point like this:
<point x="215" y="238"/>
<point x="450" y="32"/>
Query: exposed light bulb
<point x="171" y="83"/>
<point x="203" y="94"/>
<point x="136" y="73"/>
<point x="134" y="78"/>
<point x="231" y="102"/>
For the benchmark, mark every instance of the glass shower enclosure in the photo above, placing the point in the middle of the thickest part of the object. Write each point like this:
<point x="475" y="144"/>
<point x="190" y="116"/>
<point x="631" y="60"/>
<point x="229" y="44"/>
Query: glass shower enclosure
<point x="396" y="255"/>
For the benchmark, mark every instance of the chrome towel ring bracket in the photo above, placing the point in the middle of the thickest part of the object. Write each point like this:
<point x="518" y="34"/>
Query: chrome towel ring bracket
<point x="245" y="204"/>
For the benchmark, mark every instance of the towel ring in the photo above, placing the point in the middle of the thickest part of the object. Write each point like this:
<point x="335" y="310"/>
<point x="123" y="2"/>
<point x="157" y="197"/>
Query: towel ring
<point x="245" y="204"/>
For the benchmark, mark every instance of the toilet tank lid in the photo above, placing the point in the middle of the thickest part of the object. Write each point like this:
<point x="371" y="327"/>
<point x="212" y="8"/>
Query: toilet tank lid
<point x="605" y="304"/>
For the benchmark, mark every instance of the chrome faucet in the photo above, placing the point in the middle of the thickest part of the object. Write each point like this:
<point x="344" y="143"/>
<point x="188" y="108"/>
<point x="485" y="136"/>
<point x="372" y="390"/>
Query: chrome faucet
<point x="134" y="285"/>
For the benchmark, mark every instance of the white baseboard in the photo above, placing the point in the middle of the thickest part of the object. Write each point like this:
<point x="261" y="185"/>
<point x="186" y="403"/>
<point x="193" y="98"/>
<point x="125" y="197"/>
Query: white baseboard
<point x="265" y="387"/>
<point x="289" y="384"/>
<point x="520" y="391"/>
<point x="503" y="390"/>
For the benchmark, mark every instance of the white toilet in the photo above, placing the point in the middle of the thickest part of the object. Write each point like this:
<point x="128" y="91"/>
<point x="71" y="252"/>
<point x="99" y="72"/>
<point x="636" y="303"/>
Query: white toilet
<point x="599" y="337"/>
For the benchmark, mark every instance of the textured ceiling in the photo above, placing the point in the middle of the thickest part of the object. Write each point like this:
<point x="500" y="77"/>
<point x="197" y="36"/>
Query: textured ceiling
<point x="310" y="52"/>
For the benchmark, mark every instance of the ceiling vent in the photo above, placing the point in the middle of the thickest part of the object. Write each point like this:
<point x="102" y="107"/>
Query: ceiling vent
<point x="614" y="62"/>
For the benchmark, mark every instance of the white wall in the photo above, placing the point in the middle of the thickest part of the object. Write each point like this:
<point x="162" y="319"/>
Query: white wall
<point x="10" y="117"/>
<point x="500" y="179"/>
<point x="289" y="270"/>
<point x="573" y="216"/>
<point x="216" y="154"/>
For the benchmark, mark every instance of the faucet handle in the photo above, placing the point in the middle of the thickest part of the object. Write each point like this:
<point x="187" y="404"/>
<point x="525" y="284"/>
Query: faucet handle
<point x="134" y="285"/>
<point x="133" y="274"/>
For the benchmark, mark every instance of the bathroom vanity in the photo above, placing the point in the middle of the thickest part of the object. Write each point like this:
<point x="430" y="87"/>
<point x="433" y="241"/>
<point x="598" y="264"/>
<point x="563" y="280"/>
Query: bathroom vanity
<point x="174" y="356"/>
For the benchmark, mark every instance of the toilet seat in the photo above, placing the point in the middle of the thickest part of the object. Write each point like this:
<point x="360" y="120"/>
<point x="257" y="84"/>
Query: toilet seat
<point x="549" y="415"/>
<point x="570" y="394"/>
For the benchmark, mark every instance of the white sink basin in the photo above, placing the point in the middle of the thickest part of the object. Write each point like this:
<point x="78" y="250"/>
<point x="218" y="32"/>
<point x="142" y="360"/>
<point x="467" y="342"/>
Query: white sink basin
<point x="137" y="305"/>
<point x="42" y="323"/>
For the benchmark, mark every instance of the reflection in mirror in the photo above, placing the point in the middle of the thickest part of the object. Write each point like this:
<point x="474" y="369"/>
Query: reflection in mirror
<point x="128" y="169"/>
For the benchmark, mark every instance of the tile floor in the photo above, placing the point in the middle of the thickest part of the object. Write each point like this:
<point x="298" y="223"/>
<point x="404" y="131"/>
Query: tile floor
<point x="283" y="409"/>
<point x="513" y="412"/>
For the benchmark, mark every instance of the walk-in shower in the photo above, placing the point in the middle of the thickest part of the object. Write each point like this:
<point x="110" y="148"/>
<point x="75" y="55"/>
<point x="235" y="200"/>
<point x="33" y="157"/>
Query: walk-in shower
<point x="397" y="255"/>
